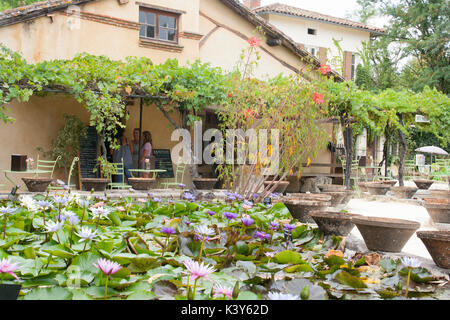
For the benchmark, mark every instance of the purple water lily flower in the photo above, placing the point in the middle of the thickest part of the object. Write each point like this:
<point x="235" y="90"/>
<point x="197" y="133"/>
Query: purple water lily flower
<point x="44" y="204"/>
<point x="7" y="210"/>
<point x="289" y="227"/>
<point x="229" y="215"/>
<point x="274" y="225"/>
<point x="255" y="195"/>
<point x="181" y="185"/>
<point x="211" y="213"/>
<point x="60" y="200"/>
<point x="188" y="196"/>
<point x="247" y="205"/>
<point x="82" y="203"/>
<point x="262" y="235"/>
<point x="187" y="222"/>
<point x="247" y="221"/>
<point x="155" y="199"/>
<point x="167" y="230"/>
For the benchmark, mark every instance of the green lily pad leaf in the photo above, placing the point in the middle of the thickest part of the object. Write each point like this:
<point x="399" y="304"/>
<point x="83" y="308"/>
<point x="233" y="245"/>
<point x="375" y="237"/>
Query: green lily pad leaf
<point x="242" y="248"/>
<point x="244" y="258"/>
<point x="346" y="278"/>
<point x="298" y="231"/>
<point x="248" y="266"/>
<point x="115" y="219"/>
<point x="388" y="265"/>
<point x="419" y="275"/>
<point x="299" y="268"/>
<point x="164" y="289"/>
<point x="10" y="240"/>
<point x="99" y="292"/>
<point x="387" y="294"/>
<point x="141" y="295"/>
<point x="86" y="261"/>
<point x="79" y="294"/>
<point x="334" y="261"/>
<point x="247" y="295"/>
<point x="53" y="293"/>
<point x="289" y="257"/>
<point x="60" y="251"/>
<point x="142" y="263"/>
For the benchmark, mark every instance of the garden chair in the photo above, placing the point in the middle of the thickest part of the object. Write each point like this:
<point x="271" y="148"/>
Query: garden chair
<point x="46" y="166"/>
<point x="410" y="169"/>
<point x="119" y="170"/>
<point x="68" y="179"/>
<point x="178" y="177"/>
<point x="354" y="168"/>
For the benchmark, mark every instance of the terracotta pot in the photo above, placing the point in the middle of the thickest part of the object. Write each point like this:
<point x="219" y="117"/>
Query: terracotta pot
<point x="336" y="197"/>
<point x="300" y="209"/>
<point x="423" y="183"/>
<point x="37" y="184"/>
<point x="96" y="184"/>
<point x="204" y="183"/>
<point x="9" y="291"/>
<point x="385" y="234"/>
<point x="330" y="187"/>
<point x="440" y="193"/>
<point x="348" y="196"/>
<point x="331" y="222"/>
<point x="438" y="209"/>
<point x="378" y="188"/>
<point x="404" y="192"/>
<point x="310" y="196"/>
<point x="281" y="188"/>
<point x="438" y="245"/>
<point x="141" y="183"/>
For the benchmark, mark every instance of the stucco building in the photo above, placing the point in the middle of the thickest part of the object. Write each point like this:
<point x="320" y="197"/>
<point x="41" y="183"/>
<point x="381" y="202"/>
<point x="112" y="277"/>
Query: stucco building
<point x="214" y="31"/>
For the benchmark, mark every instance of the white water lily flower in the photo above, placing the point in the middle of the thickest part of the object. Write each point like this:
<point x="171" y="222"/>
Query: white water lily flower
<point x="204" y="230"/>
<point x="52" y="226"/>
<point x="411" y="262"/>
<point x="28" y="202"/>
<point x="86" y="234"/>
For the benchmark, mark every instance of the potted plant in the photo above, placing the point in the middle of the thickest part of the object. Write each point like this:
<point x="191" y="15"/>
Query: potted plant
<point x="37" y="184"/>
<point x="100" y="184"/>
<point x="378" y="188"/>
<point x="424" y="184"/>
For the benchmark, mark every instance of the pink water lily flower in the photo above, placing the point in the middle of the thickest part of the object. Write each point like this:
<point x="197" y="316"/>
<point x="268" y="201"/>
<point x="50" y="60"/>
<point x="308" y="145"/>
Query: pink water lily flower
<point x="221" y="290"/>
<point x="7" y="267"/>
<point x="108" y="267"/>
<point x="198" y="270"/>
<point x="98" y="204"/>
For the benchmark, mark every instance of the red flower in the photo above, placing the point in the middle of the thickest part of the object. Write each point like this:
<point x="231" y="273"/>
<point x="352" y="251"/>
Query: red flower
<point x="318" y="98"/>
<point x="230" y="95"/>
<point x="325" y="68"/>
<point x="254" y="42"/>
<point x="249" y="113"/>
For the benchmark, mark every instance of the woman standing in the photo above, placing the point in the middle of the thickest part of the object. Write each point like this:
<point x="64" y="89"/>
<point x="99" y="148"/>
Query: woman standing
<point x="146" y="150"/>
<point x="135" y="149"/>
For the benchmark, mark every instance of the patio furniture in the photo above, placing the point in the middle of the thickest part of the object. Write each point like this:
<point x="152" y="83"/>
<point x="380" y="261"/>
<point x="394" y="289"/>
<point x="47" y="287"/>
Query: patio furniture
<point x="154" y="171"/>
<point x="354" y="169"/>
<point x="410" y="170"/>
<point x="119" y="170"/>
<point x="46" y="166"/>
<point x="68" y="179"/>
<point x="179" y="174"/>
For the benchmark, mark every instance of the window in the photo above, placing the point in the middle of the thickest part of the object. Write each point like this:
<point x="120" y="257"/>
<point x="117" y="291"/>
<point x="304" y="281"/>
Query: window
<point x="353" y="66"/>
<point x="313" y="50"/>
<point x="312" y="31"/>
<point x="158" y="25"/>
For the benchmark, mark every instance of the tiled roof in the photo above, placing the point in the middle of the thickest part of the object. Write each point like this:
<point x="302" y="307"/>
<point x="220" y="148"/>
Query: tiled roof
<point x="34" y="10"/>
<point x="294" y="11"/>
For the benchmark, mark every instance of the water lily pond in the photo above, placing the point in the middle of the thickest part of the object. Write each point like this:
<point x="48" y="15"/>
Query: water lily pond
<point x="74" y="248"/>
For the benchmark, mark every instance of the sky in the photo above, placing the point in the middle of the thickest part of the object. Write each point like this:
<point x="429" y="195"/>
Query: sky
<point x="335" y="8"/>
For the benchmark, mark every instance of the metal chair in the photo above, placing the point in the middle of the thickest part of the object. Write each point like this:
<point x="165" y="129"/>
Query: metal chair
<point x="119" y="170"/>
<point x="179" y="174"/>
<point x="68" y="179"/>
<point x="354" y="170"/>
<point x="46" y="166"/>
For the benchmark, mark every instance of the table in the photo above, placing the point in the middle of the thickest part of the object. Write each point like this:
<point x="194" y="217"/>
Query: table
<point x="155" y="171"/>
<point x="29" y="172"/>
<point x="375" y="171"/>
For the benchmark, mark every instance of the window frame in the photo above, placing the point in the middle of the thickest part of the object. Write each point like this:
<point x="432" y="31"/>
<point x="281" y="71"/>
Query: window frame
<point x="157" y="14"/>
<point x="314" y="31"/>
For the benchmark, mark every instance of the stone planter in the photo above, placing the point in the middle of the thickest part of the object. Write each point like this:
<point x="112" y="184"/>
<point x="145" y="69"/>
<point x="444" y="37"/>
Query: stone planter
<point x="423" y="183"/>
<point x="141" y="183"/>
<point x="362" y="186"/>
<point x="348" y="196"/>
<point x="389" y="182"/>
<point x="281" y="187"/>
<point x="378" y="188"/>
<point x="9" y="291"/>
<point x="385" y="234"/>
<point x="300" y="209"/>
<point x="404" y="192"/>
<point x="440" y="193"/>
<point x="330" y="187"/>
<point x="331" y="222"/>
<point x="336" y="197"/>
<point x="204" y="183"/>
<point x="438" y="209"/>
<point x="438" y="245"/>
<point x="37" y="184"/>
<point x="310" y="196"/>
<point x="96" y="184"/>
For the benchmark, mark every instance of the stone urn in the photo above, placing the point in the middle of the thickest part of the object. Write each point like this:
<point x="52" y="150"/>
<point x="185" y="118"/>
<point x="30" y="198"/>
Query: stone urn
<point x="389" y="182"/>
<point x="378" y="189"/>
<point x="37" y="184"/>
<point x="141" y="183"/>
<point x="9" y="291"/>
<point x="96" y="184"/>
<point x="440" y="193"/>
<point x="423" y="183"/>
<point x="438" y="209"/>
<point x="300" y="208"/>
<point x="348" y="196"/>
<point x="336" y="197"/>
<point x="281" y="187"/>
<point x="438" y="245"/>
<point x="404" y="192"/>
<point x="385" y="234"/>
<point x="331" y="222"/>
<point x="204" y="183"/>
<point x="310" y="196"/>
<point x="362" y="186"/>
<point x="330" y="187"/>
